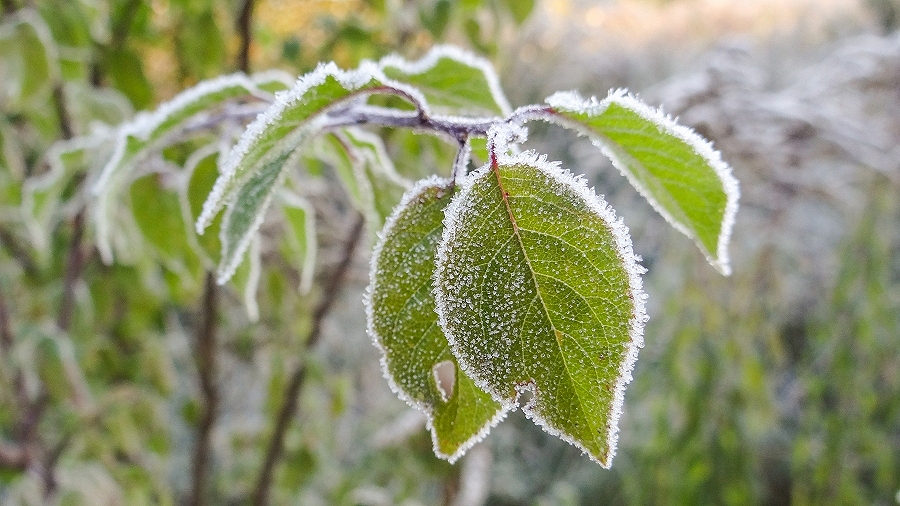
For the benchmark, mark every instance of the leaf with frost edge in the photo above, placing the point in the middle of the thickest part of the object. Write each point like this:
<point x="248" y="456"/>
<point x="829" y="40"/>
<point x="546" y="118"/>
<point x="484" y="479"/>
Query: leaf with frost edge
<point x="409" y="197"/>
<point x="573" y="102"/>
<point x="626" y="254"/>
<point x="431" y="59"/>
<point x="144" y="130"/>
<point x="308" y="262"/>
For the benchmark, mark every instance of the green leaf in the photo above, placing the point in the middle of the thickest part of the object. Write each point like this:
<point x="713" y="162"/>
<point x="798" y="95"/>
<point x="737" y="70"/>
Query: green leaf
<point x="43" y="195"/>
<point x="126" y="72"/>
<point x="246" y="278"/>
<point x="257" y="162"/>
<point x="300" y="225"/>
<point x="520" y="9"/>
<point x="202" y="169"/>
<point x="151" y="131"/>
<point x="680" y="173"/>
<point x="374" y="172"/>
<point x="538" y="290"/>
<point x="157" y="212"/>
<point x="452" y="81"/>
<point x="403" y="324"/>
<point x="27" y="58"/>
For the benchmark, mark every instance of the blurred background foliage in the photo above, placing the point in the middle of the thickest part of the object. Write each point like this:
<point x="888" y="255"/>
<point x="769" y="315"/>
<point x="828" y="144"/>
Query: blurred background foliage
<point x="778" y="385"/>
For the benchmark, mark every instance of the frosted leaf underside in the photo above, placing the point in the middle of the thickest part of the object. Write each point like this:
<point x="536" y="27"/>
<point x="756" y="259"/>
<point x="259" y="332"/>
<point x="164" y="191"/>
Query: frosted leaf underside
<point x="671" y="166"/>
<point x="404" y="325"/>
<point x="538" y="289"/>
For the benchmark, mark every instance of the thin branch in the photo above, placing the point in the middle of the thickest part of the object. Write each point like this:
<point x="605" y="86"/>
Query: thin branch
<point x="13" y="456"/>
<point x="457" y="128"/>
<point x="289" y="403"/>
<point x="245" y="32"/>
<point x="206" y="366"/>
<point x="19" y="253"/>
<point x="62" y="112"/>
<point x="9" y="7"/>
<point x="74" y="264"/>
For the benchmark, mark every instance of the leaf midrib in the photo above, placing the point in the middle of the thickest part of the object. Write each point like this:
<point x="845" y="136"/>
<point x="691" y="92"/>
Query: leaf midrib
<point x="505" y="197"/>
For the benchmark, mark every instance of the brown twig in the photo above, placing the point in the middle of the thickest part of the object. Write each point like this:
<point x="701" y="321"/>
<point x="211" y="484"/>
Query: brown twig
<point x="289" y="403"/>
<point x="74" y="264"/>
<point x="18" y="252"/>
<point x="206" y="367"/>
<point x="9" y="7"/>
<point x="245" y="32"/>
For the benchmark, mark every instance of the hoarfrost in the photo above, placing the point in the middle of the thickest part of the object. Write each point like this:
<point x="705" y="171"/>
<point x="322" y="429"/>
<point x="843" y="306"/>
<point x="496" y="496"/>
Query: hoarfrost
<point x="504" y="308"/>
<point x="571" y="101"/>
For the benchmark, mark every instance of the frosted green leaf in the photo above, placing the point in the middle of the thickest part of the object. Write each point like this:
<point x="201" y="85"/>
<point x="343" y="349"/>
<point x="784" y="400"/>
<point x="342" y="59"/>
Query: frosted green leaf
<point x="537" y="289"/>
<point x="27" y="58"/>
<point x="259" y="157"/>
<point x="151" y="130"/>
<point x="42" y="196"/>
<point x="246" y="278"/>
<point x="680" y="173"/>
<point x="300" y="225"/>
<point x="375" y="172"/>
<point x="452" y="81"/>
<point x="400" y="305"/>
<point x="201" y="170"/>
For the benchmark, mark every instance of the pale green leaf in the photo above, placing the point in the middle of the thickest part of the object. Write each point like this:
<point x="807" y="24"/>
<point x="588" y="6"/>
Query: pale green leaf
<point x="538" y="290"/>
<point x="246" y="278"/>
<point x="157" y="212"/>
<point x="300" y="225"/>
<point x="680" y="173"/>
<point x="202" y="169"/>
<point x="403" y="324"/>
<point x="452" y="81"/>
<point x="42" y="196"/>
<point x="259" y="158"/>
<point x="151" y="131"/>
<point x="375" y="173"/>
<point x="28" y="59"/>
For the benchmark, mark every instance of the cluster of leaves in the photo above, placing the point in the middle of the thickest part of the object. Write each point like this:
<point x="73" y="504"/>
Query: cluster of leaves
<point x="535" y="284"/>
<point x="485" y="283"/>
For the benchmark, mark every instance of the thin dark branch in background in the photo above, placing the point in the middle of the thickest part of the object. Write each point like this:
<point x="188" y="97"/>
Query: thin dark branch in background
<point x="13" y="456"/>
<point x="245" y="32"/>
<point x="18" y="252"/>
<point x="62" y="113"/>
<point x="289" y="404"/>
<point x="206" y="367"/>
<point x="9" y="7"/>
<point x="122" y="26"/>
<point x="74" y="264"/>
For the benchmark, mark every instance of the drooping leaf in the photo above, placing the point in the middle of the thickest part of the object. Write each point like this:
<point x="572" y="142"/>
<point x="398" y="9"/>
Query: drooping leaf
<point x="537" y="289"/>
<point x="157" y="212"/>
<point x="246" y="279"/>
<point x="375" y="171"/>
<point x="202" y="169"/>
<point x="257" y="162"/>
<point x="680" y="173"/>
<point x="150" y="131"/>
<point x="300" y="238"/>
<point x="453" y="82"/>
<point x="415" y="355"/>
